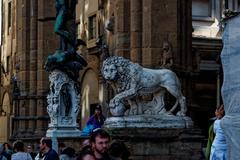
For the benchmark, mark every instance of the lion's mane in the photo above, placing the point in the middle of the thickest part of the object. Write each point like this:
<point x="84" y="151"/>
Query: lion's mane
<point x="126" y="70"/>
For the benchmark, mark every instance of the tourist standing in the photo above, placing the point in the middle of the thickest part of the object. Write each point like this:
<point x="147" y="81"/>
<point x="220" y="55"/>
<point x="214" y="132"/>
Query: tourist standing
<point x="211" y="136"/>
<point x="86" y="153"/>
<point x="118" y="151"/>
<point x="95" y="121"/>
<point x="46" y="149"/>
<point x="18" y="147"/>
<point x="2" y="157"/>
<point x="219" y="146"/>
<point x="66" y="153"/>
<point x="7" y="150"/>
<point x="39" y="156"/>
<point x="99" y="140"/>
<point x="30" y="151"/>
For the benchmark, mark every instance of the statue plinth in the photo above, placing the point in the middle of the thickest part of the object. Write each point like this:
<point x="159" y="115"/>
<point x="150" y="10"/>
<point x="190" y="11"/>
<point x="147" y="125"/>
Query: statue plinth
<point x="63" y="106"/>
<point x="149" y="121"/>
<point x="160" y="143"/>
<point x="163" y="137"/>
<point x="63" y="132"/>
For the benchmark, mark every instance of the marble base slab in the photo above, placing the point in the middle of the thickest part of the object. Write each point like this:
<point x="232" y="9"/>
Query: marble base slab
<point x="149" y="121"/>
<point x="67" y="133"/>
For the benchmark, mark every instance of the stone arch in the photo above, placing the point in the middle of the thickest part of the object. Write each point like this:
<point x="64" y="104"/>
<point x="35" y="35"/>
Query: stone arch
<point x="6" y="105"/>
<point x="89" y="94"/>
<point x="5" y="118"/>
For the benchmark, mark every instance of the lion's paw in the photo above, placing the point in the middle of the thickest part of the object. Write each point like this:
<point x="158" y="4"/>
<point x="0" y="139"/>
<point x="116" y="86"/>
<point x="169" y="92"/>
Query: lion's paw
<point x="114" y="102"/>
<point x="181" y="114"/>
<point x="111" y="104"/>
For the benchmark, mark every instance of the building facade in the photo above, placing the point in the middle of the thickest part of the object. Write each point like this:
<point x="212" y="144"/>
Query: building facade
<point x="135" y="29"/>
<point x="27" y="40"/>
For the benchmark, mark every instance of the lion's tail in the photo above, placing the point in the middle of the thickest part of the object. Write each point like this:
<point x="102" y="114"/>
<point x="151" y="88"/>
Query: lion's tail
<point x="175" y="106"/>
<point x="182" y="101"/>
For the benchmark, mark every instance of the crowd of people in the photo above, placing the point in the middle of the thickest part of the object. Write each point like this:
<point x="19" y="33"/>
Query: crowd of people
<point x="17" y="152"/>
<point x="96" y="147"/>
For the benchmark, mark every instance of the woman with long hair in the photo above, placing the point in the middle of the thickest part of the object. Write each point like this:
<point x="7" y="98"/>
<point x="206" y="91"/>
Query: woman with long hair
<point x="219" y="146"/>
<point x="94" y="122"/>
<point x="97" y="119"/>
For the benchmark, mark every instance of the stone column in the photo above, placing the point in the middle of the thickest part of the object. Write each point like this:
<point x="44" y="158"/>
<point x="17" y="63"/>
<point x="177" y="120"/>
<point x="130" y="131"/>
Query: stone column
<point x="33" y="62"/>
<point x="166" y="21"/>
<point x="46" y="45"/>
<point x="121" y="30"/>
<point x="136" y="30"/>
<point x="23" y="56"/>
<point x="146" y="32"/>
<point x="185" y="35"/>
<point x="22" y="122"/>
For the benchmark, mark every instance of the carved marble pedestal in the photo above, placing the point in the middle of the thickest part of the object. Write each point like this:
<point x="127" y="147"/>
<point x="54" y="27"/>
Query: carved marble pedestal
<point x="63" y="106"/>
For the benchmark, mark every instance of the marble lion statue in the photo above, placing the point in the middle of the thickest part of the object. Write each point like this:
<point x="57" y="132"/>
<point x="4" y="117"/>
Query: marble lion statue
<point x="130" y="80"/>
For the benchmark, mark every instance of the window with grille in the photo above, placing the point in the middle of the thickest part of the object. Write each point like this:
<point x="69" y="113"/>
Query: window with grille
<point x="201" y="8"/>
<point x="92" y="27"/>
<point x="9" y="16"/>
<point x="8" y="64"/>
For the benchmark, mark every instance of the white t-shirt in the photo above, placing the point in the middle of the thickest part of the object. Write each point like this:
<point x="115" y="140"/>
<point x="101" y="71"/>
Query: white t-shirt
<point x="21" y="156"/>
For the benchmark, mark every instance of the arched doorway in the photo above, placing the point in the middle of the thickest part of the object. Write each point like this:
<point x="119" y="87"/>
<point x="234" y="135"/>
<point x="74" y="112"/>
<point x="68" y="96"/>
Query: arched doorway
<point x="89" y="93"/>
<point x="4" y="119"/>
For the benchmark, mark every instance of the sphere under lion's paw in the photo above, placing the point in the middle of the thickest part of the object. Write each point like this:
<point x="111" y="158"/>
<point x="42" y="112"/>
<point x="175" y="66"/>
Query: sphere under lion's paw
<point x="118" y="110"/>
